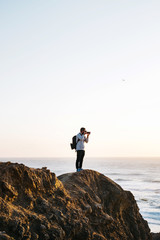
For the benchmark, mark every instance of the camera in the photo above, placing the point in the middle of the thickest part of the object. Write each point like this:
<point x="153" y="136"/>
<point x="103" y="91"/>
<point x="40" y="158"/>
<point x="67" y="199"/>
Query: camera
<point x="88" y="132"/>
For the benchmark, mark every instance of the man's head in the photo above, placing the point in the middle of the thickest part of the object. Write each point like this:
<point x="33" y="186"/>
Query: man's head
<point x="82" y="130"/>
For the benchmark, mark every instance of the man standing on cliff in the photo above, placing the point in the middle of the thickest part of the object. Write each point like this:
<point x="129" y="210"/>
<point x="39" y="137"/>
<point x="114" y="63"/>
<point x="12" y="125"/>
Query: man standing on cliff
<point x="80" y="139"/>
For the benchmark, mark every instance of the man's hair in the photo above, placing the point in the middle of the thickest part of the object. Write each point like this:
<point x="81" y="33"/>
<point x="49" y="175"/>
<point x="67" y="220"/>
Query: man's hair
<point x="82" y="129"/>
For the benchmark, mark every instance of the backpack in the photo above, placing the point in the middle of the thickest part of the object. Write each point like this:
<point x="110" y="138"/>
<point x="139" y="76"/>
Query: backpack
<point x="74" y="143"/>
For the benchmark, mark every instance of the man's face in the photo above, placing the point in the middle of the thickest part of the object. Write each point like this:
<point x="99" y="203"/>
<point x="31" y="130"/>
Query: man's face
<point x="83" y="131"/>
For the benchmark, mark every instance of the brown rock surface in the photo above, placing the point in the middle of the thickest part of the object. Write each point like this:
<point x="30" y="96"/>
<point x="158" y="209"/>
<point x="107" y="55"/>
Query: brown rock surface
<point x="35" y="204"/>
<point x="156" y="236"/>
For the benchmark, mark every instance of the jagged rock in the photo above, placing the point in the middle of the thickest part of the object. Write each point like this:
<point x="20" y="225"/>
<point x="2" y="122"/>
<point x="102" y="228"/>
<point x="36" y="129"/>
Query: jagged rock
<point x="156" y="236"/>
<point x="4" y="236"/>
<point x="35" y="204"/>
<point x="114" y="212"/>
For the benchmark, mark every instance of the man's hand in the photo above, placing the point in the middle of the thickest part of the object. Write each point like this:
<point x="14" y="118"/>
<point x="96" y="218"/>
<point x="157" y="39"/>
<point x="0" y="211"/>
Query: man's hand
<point x="88" y="134"/>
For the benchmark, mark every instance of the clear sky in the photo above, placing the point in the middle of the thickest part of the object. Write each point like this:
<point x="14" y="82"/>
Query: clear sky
<point x="69" y="64"/>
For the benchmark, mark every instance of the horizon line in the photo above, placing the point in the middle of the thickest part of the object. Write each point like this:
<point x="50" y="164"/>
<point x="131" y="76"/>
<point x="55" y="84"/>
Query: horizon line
<point x="87" y="157"/>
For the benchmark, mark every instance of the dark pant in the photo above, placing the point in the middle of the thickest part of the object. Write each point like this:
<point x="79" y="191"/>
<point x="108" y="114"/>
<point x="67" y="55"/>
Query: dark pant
<point x="80" y="156"/>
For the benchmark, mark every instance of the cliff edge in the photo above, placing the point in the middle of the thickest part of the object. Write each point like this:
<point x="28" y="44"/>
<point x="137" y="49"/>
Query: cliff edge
<point x="35" y="204"/>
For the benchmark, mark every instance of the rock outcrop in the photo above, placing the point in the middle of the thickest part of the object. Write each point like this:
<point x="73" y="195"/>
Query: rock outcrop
<point x="35" y="204"/>
<point x="156" y="236"/>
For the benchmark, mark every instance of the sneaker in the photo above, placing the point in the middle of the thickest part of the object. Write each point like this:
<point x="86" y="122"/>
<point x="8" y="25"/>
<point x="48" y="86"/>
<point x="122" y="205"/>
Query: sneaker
<point x="78" y="169"/>
<point x="81" y="169"/>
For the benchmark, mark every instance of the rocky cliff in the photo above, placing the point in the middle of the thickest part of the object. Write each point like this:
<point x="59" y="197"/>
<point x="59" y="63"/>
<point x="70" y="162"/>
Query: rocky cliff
<point x="35" y="204"/>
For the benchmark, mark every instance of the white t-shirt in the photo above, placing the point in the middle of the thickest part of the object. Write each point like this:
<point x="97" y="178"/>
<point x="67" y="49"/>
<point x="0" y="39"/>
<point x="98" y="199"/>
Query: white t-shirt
<point x="80" y="143"/>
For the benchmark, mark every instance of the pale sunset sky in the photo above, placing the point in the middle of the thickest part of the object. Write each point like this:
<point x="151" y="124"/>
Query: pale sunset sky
<point x="71" y="64"/>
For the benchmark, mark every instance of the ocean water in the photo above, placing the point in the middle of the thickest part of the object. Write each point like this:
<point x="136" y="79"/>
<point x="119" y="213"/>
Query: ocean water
<point x="141" y="176"/>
